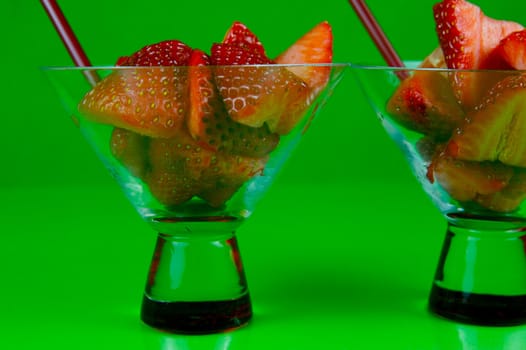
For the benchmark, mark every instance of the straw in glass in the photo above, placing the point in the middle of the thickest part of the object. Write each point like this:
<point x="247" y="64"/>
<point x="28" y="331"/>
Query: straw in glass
<point x="378" y="36"/>
<point x="69" y="39"/>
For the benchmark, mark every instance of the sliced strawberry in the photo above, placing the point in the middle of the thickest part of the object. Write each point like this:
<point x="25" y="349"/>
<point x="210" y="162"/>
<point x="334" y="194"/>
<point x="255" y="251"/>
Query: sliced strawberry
<point x="510" y="197"/>
<point x="131" y="150"/>
<point x="169" y="187"/>
<point x="177" y="165"/>
<point x="424" y="102"/>
<point x="313" y="47"/>
<point x="467" y="37"/>
<point x="255" y="95"/>
<point x="496" y="129"/>
<point x="240" y="35"/>
<point x="512" y="49"/>
<point x="209" y="122"/>
<point x="226" y="175"/>
<point x="234" y="54"/>
<point x="181" y="169"/>
<point x="180" y="154"/>
<point x="464" y="180"/>
<point x="148" y="101"/>
<point x="165" y="53"/>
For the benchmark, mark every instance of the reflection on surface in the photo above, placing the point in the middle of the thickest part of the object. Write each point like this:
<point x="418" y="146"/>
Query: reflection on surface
<point x="453" y="336"/>
<point x="165" y="341"/>
<point x="219" y="342"/>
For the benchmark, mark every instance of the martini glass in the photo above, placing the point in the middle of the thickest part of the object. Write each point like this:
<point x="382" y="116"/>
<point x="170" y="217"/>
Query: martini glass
<point x="469" y="159"/>
<point x="194" y="192"/>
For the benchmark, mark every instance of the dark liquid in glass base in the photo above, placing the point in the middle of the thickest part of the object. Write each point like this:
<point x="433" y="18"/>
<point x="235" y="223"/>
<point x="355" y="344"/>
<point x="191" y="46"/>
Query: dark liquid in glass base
<point x="196" y="317"/>
<point x="481" y="309"/>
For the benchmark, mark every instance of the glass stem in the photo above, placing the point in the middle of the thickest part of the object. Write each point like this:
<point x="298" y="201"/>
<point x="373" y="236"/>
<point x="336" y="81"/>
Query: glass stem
<point x="196" y="284"/>
<point x="481" y="276"/>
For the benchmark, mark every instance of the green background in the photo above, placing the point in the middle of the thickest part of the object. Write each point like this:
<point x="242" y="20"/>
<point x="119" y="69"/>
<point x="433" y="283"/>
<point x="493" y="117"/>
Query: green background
<point x="339" y="255"/>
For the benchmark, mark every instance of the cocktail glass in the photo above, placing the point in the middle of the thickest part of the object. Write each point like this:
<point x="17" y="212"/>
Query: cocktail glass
<point x="194" y="193"/>
<point x="470" y="161"/>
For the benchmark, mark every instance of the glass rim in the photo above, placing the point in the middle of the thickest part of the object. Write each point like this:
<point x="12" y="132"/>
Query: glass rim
<point x="272" y="65"/>
<point x="412" y="65"/>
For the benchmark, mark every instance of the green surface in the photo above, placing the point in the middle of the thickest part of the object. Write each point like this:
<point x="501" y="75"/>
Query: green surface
<point x="339" y="255"/>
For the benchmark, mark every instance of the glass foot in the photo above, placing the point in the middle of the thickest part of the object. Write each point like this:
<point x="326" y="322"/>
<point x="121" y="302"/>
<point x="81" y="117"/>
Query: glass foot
<point x="482" y="309"/>
<point x="481" y="274"/>
<point x="197" y="317"/>
<point x="196" y="284"/>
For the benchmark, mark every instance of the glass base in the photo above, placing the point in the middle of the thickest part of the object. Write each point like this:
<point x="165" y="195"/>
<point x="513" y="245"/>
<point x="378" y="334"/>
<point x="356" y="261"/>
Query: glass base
<point x="196" y="283"/>
<point x="479" y="309"/>
<point x="197" y="317"/>
<point x="481" y="273"/>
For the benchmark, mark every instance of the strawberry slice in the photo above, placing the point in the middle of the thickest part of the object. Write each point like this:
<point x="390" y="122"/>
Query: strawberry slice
<point x="258" y="95"/>
<point x="509" y="198"/>
<point x="226" y="175"/>
<point x="496" y="129"/>
<point x="131" y="150"/>
<point x="209" y="122"/>
<point x="467" y="37"/>
<point x="512" y="49"/>
<point x="425" y="102"/>
<point x="315" y="46"/>
<point x="177" y="165"/>
<point x="181" y="169"/>
<point x="180" y="154"/>
<point x="169" y="188"/>
<point x="240" y="35"/>
<point x="464" y="180"/>
<point x="164" y="53"/>
<point x="148" y="101"/>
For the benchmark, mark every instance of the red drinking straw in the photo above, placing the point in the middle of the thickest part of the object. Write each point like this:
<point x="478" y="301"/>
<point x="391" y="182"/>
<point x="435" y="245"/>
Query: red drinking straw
<point x="377" y="34"/>
<point x="69" y="39"/>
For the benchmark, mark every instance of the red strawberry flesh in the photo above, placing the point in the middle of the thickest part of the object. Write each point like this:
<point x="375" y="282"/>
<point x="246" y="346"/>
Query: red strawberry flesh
<point x="165" y="53"/>
<point x="468" y="37"/>
<point x="209" y="122"/>
<point x="464" y="180"/>
<point x="240" y="35"/>
<point x="149" y="101"/>
<point x="425" y="102"/>
<point x="192" y="125"/>
<point x="512" y="49"/>
<point x="177" y="165"/>
<point x="182" y="169"/>
<point x="257" y="95"/>
<point x="495" y="130"/>
<point x="226" y="175"/>
<point x="509" y="198"/>
<point x="314" y="47"/>
<point x="131" y="150"/>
